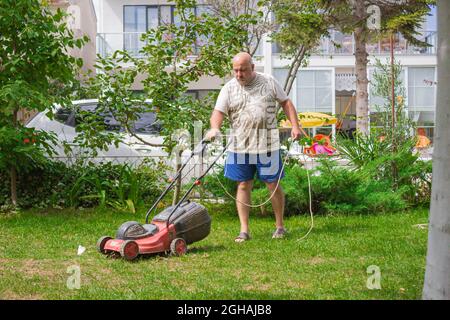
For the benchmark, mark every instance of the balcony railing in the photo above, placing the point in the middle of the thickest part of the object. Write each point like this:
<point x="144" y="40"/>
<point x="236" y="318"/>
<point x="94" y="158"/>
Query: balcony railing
<point x="344" y="44"/>
<point x="337" y="44"/>
<point x="108" y="43"/>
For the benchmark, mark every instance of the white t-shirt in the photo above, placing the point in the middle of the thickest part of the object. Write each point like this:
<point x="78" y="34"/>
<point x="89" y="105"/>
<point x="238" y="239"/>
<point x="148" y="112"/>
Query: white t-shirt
<point x="252" y="111"/>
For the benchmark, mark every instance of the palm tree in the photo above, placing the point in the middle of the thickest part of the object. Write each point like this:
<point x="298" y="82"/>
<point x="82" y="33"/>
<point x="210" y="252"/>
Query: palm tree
<point x="437" y="274"/>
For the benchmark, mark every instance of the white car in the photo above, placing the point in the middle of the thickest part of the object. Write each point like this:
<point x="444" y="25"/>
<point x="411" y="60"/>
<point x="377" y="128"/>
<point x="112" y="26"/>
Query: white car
<point x="131" y="150"/>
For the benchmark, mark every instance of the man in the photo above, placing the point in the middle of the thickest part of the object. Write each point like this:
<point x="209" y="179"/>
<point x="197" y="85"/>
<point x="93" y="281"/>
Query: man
<point x="249" y="100"/>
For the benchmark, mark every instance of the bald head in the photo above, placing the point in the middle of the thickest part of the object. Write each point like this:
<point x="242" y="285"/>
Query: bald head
<point x="243" y="68"/>
<point x="243" y="57"/>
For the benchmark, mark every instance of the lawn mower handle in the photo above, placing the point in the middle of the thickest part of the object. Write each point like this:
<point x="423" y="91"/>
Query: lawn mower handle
<point x="197" y="150"/>
<point x="194" y="184"/>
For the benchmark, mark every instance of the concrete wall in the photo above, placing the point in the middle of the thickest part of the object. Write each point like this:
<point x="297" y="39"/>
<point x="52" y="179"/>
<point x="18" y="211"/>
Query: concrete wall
<point x="87" y="26"/>
<point x="83" y="22"/>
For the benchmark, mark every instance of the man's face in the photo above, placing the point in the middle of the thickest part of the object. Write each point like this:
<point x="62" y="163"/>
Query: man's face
<point x="243" y="71"/>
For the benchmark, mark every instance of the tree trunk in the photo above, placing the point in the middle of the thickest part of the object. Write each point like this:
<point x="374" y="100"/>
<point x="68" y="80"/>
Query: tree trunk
<point x="176" y="194"/>
<point x="437" y="274"/>
<point x="394" y="142"/>
<point x="295" y="65"/>
<point x="13" y="174"/>
<point x="13" y="169"/>
<point x="362" y="96"/>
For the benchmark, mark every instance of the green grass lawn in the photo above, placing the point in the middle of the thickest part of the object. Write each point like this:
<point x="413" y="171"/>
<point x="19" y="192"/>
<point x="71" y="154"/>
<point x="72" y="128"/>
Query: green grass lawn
<point x="37" y="247"/>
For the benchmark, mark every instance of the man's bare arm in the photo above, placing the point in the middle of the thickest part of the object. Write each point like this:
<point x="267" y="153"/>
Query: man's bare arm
<point x="215" y="122"/>
<point x="291" y="113"/>
<point x="216" y="119"/>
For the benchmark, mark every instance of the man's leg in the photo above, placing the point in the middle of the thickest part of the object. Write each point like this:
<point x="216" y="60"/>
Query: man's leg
<point x="277" y="202"/>
<point x="270" y="171"/>
<point x="244" y="189"/>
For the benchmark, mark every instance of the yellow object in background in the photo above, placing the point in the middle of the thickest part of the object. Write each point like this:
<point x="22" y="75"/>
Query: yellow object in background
<point x="311" y="120"/>
<point x="422" y="139"/>
<point x="422" y="142"/>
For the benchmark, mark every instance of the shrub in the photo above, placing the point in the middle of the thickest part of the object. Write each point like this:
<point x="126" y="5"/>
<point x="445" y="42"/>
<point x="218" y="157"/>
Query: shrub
<point x="80" y="185"/>
<point x="215" y="185"/>
<point x="334" y="189"/>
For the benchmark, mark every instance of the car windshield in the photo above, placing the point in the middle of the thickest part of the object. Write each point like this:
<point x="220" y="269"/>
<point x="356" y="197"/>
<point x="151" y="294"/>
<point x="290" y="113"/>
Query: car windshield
<point x="145" y="124"/>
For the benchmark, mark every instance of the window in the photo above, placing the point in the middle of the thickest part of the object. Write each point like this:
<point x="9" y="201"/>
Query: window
<point x="376" y="102"/>
<point x="62" y="115"/>
<point x="421" y="89"/>
<point x="314" y="91"/>
<point x="345" y="42"/>
<point x="311" y="91"/>
<point x="146" y="123"/>
<point x="431" y="19"/>
<point x="139" y="19"/>
<point x="424" y="121"/>
<point x="143" y="18"/>
<point x="135" y="23"/>
<point x="280" y="75"/>
<point x="276" y="48"/>
<point x="135" y="19"/>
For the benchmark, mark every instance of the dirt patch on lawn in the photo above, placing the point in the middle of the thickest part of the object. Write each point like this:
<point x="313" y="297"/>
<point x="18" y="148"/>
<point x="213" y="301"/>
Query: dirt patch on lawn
<point x="29" y="268"/>
<point x="11" y="295"/>
<point x="258" y="287"/>
<point x="319" y="260"/>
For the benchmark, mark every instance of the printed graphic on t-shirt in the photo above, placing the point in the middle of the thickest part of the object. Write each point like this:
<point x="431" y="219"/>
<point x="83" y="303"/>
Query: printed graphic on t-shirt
<point x="252" y="112"/>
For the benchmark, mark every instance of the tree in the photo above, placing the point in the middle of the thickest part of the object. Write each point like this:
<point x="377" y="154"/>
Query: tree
<point x="295" y="25"/>
<point x="437" y="274"/>
<point x="396" y="16"/>
<point x="35" y="73"/>
<point x="259" y="10"/>
<point x="301" y="24"/>
<point x="172" y="57"/>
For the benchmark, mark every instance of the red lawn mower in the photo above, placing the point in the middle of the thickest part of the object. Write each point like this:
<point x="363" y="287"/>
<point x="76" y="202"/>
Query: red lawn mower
<point x="170" y="231"/>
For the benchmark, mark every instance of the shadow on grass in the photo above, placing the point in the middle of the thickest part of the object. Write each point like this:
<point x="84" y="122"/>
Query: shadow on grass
<point x="206" y="249"/>
<point x="144" y="257"/>
<point x="327" y="229"/>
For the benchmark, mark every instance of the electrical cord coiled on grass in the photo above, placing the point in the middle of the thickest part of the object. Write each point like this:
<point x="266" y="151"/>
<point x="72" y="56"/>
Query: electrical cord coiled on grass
<point x="273" y="193"/>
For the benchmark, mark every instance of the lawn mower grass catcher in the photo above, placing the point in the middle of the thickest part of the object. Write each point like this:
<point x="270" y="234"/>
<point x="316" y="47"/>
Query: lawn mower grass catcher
<point x="170" y="231"/>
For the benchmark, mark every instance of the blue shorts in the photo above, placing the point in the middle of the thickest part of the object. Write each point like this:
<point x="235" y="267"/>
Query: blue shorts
<point x="242" y="166"/>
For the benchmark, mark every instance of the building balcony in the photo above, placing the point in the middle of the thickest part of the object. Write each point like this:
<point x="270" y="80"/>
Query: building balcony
<point x="337" y="44"/>
<point x="108" y="43"/>
<point x="344" y="45"/>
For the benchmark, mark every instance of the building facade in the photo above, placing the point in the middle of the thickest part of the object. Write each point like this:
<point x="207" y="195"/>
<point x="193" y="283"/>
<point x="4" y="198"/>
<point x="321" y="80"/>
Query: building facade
<point x="327" y="84"/>
<point x="82" y="21"/>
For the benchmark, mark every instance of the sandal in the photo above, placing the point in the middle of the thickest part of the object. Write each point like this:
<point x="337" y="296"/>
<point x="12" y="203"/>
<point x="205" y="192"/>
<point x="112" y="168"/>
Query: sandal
<point x="243" y="236"/>
<point x="279" y="233"/>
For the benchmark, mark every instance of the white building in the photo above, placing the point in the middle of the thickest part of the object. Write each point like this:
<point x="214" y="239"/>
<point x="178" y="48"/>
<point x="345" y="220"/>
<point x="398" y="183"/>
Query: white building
<point x="326" y="85"/>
